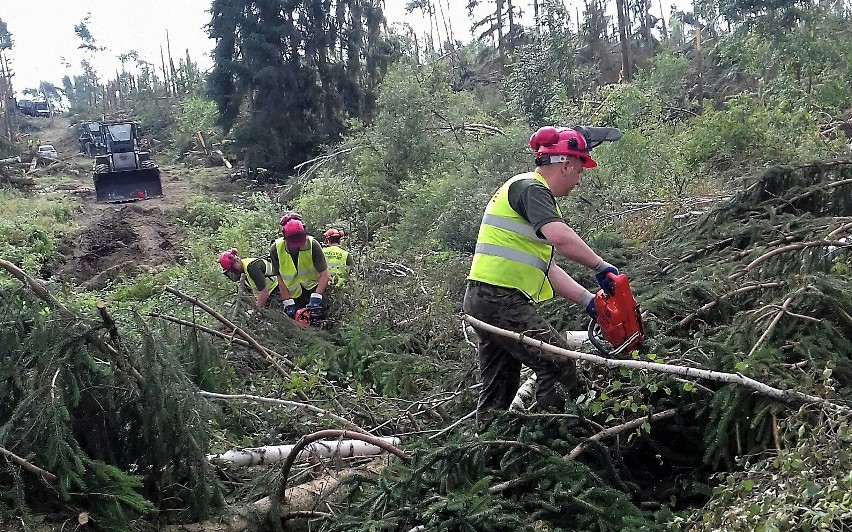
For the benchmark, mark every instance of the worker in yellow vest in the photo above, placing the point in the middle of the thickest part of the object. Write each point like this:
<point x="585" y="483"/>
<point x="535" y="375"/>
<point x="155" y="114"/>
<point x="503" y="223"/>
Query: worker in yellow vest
<point x="300" y="267"/>
<point x="338" y="259"/>
<point x="256" y="273"/>
<point x="513" y="267"/>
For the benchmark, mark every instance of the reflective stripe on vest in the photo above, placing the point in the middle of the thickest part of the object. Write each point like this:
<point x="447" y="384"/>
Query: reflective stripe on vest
<point x="335" y="258"/>
<point x="271" y="280"/>
<point x="296" y="278"/>
<point x="508" y="252"/>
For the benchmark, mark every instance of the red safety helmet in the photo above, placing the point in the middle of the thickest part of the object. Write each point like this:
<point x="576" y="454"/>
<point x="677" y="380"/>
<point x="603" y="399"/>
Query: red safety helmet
<point x="334" y="234"/>
<point x="287" y="217"/>
<point x="553" y="144"/>
<point x="227" y="259"/>
<point x="294" y="233"/>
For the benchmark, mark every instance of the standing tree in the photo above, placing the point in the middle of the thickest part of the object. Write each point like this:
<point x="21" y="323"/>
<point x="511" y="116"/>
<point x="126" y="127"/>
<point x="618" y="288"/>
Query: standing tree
<point x="87" y="85"/>
<point x="6" y="93"/>
<point x="499" y="25"/>
<point x="287" y="75"/>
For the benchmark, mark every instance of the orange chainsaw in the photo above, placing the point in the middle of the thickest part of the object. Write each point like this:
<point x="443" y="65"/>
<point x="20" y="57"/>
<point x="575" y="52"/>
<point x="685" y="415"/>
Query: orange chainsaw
<point x="618" y="319"/>
<point x="305" y="318"/>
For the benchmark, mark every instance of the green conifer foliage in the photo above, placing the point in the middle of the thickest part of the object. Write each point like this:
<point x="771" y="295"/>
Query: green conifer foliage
<point x="738" y="245"/>
<point x="454" y="487"/>
<point x="123" y="431"/>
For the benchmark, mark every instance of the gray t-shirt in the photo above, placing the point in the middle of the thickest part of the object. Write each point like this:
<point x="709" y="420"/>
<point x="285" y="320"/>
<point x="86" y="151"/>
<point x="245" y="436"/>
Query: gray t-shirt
<point x="534" y="202"/>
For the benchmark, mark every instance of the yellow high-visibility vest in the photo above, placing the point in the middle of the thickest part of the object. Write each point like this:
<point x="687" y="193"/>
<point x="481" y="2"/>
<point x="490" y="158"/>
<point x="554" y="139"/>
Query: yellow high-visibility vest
<point x="509" y="253"/>
<point x="271" y="279"/>
<point x="301" y="276"/>
<point x="335" y="257"/>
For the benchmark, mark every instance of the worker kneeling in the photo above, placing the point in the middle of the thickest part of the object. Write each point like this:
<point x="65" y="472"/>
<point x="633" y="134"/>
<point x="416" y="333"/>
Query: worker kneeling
<point x="257" y="274"/>
<point x="299" y="265"/>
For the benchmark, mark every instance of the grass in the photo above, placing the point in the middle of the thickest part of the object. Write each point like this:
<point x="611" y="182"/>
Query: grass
<point x="31" y="228"/>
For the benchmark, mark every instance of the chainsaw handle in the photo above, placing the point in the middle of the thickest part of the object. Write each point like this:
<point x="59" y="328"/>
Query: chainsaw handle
<point x="593" y="338"/>
<point x="611" y="277"/>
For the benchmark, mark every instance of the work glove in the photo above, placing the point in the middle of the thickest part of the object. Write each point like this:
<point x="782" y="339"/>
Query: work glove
<point x="591" y="310"/>
<point x="315" y="305"/>
<point x="601" y="270"/>
<point x="290" y="308"/>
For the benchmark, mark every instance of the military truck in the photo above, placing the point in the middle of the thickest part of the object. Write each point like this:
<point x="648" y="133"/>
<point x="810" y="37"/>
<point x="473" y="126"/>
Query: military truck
<point x="124" y="172"/>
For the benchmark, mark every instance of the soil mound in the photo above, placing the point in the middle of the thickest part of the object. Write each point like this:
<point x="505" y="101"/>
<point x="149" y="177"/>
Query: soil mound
<point x="121" y="242"/>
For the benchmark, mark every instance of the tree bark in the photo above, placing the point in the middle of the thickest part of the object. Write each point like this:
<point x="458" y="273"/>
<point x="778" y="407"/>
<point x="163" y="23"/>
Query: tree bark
<point x="560" y="355"/>
<point x="626" y="72"/>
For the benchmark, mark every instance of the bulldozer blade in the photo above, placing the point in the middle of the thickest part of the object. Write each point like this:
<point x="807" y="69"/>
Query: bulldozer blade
<point x="128" y="185"/>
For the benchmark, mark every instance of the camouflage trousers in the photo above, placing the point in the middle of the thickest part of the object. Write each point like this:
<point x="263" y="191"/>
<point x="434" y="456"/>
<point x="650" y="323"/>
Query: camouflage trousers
<point x="500" y="358"/>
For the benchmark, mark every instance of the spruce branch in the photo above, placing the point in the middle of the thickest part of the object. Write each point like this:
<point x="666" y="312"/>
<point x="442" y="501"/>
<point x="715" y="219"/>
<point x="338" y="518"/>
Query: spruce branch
<point x="739" y="291"/>
<point x="35" y="470"/>
<point x="776" y="319"/>
<point x="792" y="247"/>
<point x="803" y="195"/>
<point x="842" y="229"/>
<point x="454" y="425"/>
<point x="219" y="334"/>
<point x="109" y="322"/>
<point x="236" y="330"/>
<point x="258" y="399"/>
<point x="560" y="355"/>
<point x="689" y="256"/>
<point x="618" y="429"/>
<point x="41" y="291"/>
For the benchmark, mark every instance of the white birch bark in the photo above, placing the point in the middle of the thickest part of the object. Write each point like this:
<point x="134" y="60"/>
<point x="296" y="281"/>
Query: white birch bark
<point x="278" y="453"/>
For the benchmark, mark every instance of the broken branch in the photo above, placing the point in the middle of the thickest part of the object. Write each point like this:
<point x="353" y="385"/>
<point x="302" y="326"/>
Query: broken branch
<point x="269" y="400"/>
<point x="618" y="429"/>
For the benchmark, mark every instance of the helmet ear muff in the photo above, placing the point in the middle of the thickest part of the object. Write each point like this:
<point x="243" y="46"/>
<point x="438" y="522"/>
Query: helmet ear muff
<point x="545" y="136"/>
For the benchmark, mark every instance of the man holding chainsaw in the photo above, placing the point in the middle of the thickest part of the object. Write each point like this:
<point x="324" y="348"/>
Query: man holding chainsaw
<point x="300" y="267"/>
<point x="513" y="267"/>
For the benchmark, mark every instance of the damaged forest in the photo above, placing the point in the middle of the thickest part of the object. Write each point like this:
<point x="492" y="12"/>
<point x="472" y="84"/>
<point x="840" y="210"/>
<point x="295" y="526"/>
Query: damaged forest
<point x="142" y="390"/>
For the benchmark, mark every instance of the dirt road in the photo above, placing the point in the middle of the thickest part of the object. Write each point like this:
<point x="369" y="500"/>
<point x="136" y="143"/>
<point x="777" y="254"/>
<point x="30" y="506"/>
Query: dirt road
<point x="116" y="240"/>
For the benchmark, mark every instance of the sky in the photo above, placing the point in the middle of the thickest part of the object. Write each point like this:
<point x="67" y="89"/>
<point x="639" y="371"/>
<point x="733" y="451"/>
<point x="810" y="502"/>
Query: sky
<point x="44" y="37"/>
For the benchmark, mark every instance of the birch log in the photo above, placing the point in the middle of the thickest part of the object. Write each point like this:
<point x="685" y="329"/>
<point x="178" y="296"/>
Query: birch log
<point x="304" y="497"/>
<point x="558" y="354"/>
<point x="278" y="453"/>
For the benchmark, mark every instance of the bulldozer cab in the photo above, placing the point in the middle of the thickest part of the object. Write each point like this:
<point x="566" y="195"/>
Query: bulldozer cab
<point x="124" y="172"/>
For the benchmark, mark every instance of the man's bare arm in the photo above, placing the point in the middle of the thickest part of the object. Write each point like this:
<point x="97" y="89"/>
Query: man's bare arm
<point x="569" y="244"/>
<point x="565" y="286"/>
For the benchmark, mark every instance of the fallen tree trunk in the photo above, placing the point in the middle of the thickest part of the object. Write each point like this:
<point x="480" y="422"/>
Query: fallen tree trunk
<point x="300" y="500"/>
<point x="272" y="454"/>
<point x="20" y="181"/>
<point x="558" y="354"/>
<point x="47" y="169"/>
